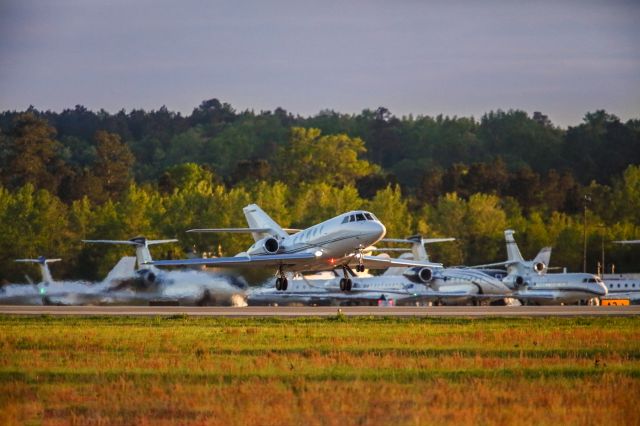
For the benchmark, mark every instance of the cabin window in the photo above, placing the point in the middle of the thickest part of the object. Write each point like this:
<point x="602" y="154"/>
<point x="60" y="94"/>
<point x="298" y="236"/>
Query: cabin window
<point x="368" y="216"/>
<point x="352" y="218"/>
<point x="360" y="217"/>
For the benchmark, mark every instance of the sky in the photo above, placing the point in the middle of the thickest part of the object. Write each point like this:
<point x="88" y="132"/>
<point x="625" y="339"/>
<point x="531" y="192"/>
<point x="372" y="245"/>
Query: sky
<point x="464" y="58"/>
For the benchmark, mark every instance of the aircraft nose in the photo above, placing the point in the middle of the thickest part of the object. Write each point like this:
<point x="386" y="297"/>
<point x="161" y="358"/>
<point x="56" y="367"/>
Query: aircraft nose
<point x="601" y="289"/>
<point x="380" y="229"/>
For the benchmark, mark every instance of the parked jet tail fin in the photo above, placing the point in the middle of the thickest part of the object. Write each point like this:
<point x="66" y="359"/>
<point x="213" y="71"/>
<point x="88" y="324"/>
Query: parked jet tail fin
<point x="513" y="252"/>
<point x="257" y="218"/>
<point x="418" y="245"/>
<point x="44" y="269"/>
<point x="125" y="268"/>
<point x="141" y="244"/>
<point x="543" y="256"/>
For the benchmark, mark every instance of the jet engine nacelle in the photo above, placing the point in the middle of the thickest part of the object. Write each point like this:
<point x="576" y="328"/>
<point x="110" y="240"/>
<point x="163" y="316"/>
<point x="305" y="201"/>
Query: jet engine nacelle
<point x="539" y="267"/>
<point x="268" y="245"/>
<point x="147" y="278"/>
<point x="419" y="275"/>
<point x="520" y="282"/>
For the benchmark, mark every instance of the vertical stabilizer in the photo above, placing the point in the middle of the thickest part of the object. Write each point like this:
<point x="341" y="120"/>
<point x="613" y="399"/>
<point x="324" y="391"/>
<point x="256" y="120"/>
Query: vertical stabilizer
<point x="141" y="244"/>
<point x="125" y="268"/>
<point x="44" y="268"/>
<point x="418" y="248"/>
<point x="257" y="218"/>
<point x="513" y="252"/>
<point x="543" y="256"/>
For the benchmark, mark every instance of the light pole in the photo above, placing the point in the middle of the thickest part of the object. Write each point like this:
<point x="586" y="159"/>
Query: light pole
<point x="586" y="200"/>
<point x="602" y="268"/>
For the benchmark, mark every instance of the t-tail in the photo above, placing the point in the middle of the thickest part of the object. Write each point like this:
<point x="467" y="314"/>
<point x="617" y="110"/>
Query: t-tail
<point x="141" y="244"/>
<point x="44" y="268"/>
<point x="515" y="261"/>
<point x="418" y="245"/>
<point x="258" y="219"/>
<point x="261" y="226"/>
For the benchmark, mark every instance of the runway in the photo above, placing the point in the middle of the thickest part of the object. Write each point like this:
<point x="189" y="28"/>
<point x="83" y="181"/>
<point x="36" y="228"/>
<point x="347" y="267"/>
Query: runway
<point x="292" y="312"/>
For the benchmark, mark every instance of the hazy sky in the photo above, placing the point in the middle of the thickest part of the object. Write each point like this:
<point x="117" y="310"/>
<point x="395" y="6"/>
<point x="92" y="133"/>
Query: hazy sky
<point x="563" y="58"/>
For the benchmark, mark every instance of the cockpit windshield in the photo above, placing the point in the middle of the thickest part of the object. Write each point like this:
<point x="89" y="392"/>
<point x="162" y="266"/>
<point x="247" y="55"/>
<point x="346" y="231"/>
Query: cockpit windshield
<point x="357" y="217"/>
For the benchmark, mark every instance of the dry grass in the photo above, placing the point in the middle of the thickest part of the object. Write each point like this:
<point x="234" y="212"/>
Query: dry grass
<point x="319" y="371"/>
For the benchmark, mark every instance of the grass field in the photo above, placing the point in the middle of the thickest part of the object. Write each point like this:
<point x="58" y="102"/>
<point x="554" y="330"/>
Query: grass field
<point x="363" y="371"/>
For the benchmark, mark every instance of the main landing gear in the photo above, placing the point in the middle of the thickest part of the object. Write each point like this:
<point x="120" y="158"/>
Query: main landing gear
<point x="281" y="281"/>
<point x="346" y="283"/>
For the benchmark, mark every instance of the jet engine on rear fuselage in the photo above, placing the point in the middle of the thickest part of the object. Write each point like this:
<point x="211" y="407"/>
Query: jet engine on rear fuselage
<point x="268" y="245"/>
<point x="419" y="275"/>
<point x="539" y="267"/>
<point x="146" y="278"/>
<point x="520" y="281"/>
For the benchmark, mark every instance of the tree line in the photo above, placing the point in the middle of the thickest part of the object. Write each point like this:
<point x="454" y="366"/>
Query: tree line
<point x="83" y="174"/>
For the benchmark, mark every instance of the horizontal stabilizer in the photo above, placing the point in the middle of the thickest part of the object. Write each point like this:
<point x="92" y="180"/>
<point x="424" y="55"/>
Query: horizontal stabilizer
<point x="417" y="240"/>
<point x="627" y="242"/>
<point x="242" y="230"/>
<point x="141" y="241"/>
<point x="41" y="260"/>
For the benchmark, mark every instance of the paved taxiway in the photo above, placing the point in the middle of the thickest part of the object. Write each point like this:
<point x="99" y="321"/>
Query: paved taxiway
<point x="268" y="311"/>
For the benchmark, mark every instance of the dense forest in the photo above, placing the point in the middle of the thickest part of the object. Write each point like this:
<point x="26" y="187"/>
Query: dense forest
<point x="76" y="174"/>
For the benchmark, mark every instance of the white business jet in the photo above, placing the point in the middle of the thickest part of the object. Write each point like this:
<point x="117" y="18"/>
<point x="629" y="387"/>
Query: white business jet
<point x="336" y="243"/>
<point x="531" y="282"/>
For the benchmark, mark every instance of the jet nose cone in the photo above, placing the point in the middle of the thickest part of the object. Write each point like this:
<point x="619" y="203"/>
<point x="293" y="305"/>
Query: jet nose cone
<point x="601" y="289"/>
<point x="380" y="230"/>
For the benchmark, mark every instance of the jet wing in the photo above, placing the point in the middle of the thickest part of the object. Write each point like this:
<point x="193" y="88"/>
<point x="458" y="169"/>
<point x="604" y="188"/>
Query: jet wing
<point x="380" y="262"/>
<point x="244" y="261"/>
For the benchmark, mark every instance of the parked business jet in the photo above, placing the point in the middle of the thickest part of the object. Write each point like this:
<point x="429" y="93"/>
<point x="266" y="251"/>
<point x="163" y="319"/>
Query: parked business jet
<point x="531" y="283"/>
<point x="418" y="284"/>
<point x="51" y="292"/>
<point x="151" y="285"/>
<point x="623" y="286"/>
<point x="474" y="284"/>
<point x="336" y="243"/>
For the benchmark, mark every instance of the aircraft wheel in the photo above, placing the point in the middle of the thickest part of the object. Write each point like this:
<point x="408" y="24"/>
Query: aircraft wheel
<point x="285" y="284"/>
<point x="348" y="284"/>
<point x="278" y="284"/>
<point x="342" y="284"/>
